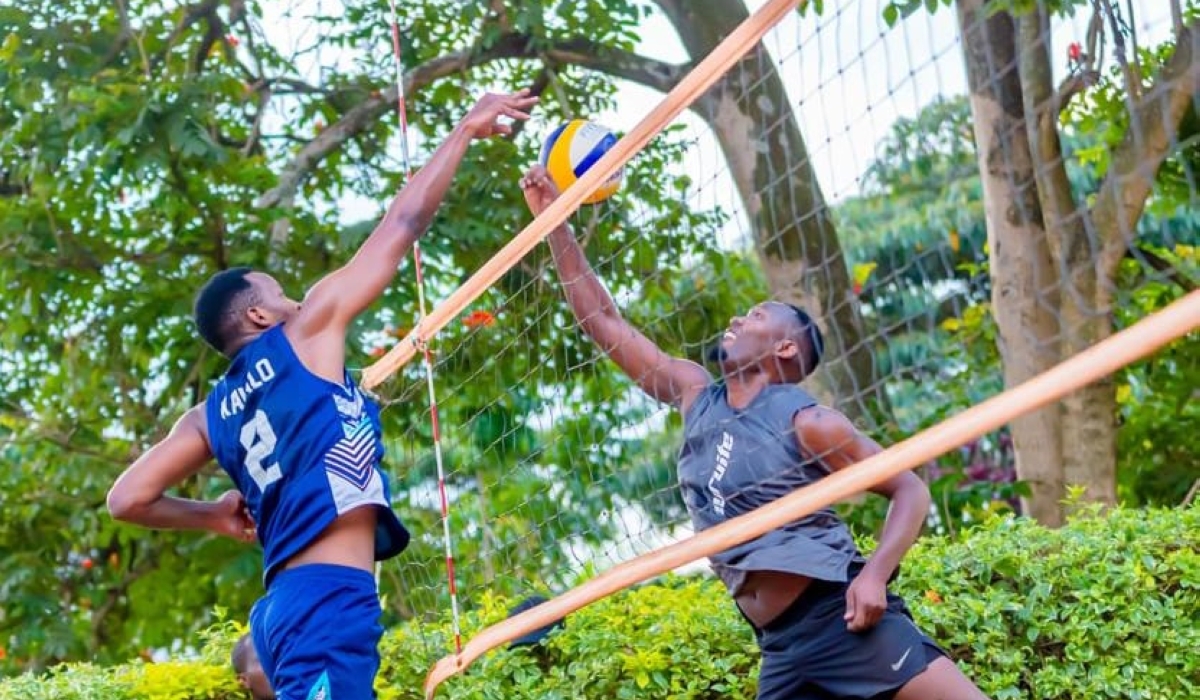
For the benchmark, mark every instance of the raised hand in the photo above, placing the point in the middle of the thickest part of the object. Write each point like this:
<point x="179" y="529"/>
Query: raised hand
<point x="483" y="120"/>
<point x="540" y="191"/>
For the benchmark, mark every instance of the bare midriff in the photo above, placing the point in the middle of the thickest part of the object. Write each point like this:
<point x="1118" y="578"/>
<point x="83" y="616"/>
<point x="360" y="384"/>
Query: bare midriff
<point x="766" y="594"/>
<point x="348" y="541"/>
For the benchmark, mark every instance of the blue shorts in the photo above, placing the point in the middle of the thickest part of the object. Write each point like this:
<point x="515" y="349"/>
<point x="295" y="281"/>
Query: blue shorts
<point x="317" y="633"/>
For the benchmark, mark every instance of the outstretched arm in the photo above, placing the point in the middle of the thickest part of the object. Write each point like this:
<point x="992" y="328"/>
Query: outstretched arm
<point x="830" y="437"/>
<point x="139" y="494"/>
<point x="668" y="379"/>
<point x="334" y="301"/>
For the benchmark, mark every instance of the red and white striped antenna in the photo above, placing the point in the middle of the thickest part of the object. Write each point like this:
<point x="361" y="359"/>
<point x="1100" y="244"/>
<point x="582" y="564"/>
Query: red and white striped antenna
<point x="424" y="347"/>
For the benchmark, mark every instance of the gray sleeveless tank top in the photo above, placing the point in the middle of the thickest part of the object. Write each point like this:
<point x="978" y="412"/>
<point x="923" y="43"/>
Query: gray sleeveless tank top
<point x="733" y="461"/>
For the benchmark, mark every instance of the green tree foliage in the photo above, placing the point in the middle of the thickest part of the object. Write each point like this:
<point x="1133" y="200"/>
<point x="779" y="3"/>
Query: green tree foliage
<point x="145" y="145"/>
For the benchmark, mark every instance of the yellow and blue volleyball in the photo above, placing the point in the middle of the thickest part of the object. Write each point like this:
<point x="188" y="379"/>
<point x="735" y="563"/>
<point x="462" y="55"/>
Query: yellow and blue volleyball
<point x="574" y="147"/>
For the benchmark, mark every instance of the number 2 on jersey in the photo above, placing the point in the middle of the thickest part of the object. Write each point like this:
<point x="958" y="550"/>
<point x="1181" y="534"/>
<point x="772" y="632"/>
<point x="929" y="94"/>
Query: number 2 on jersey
<point x="258" y="437"/>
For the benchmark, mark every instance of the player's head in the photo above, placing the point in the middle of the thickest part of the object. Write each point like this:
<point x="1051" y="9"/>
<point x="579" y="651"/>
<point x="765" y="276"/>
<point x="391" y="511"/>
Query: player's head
<point x="779" y="339"/>
<point x="237" y="304"/>
<point x="249" y="670"/>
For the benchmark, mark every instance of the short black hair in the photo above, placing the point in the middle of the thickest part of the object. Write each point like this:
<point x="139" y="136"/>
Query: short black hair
<point x="217" y="306"/>
<point x="240" y="658"/>
<point x="814" y="345"/>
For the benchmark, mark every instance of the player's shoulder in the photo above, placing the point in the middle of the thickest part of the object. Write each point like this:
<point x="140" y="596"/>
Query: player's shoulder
<point x="784" y="401"/>
<point x="703" y="398"/>
<point x="818" y="419"/>
<point x="194" y="420"/>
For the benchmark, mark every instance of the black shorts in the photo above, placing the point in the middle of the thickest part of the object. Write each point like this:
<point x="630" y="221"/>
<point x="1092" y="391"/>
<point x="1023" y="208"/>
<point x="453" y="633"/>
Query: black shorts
<point x="808" y="654"/>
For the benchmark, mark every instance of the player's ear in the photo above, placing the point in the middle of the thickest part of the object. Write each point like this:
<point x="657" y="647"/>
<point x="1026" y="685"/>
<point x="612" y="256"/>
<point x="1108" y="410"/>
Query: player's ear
<point x="787" y="349"/>
<point x="260" y="317"/>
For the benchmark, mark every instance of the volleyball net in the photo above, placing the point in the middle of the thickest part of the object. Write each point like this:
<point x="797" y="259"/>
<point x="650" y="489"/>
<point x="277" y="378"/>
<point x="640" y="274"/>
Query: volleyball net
<point x="829" y="160"/>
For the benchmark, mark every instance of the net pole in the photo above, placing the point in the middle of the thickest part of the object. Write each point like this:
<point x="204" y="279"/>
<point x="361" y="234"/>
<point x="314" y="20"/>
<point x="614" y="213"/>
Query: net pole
<point x="695" y="84"/>
<point x="447" y="541"/>
<point x="1106" y="357"/>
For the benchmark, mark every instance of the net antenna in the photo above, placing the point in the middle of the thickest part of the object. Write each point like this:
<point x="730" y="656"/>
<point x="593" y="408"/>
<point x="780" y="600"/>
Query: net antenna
<point x="423" y="345"/>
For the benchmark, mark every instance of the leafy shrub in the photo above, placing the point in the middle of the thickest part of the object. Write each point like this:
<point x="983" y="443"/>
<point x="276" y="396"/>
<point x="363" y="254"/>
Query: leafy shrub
<point x="69" y="682"/>
<point x="1105" y="607"/>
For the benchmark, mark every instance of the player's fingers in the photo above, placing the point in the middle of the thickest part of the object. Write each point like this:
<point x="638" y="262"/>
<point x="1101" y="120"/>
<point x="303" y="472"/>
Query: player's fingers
<point x="522" y="98"/>
<point x="514" y="113"/>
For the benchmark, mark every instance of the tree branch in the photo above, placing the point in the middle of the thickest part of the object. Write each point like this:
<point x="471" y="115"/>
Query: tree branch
<point x="123" y="36"/>
<point x="1152" y="135"/>
<point x="1165" y="268"/>
<point x="1059" y="209"/>
<point x="114" y="594"/>
<point x="1133" y="83"/>
<point x="193" y="14"/>
<point x="12" y="189"/>
<point x="580" y="51"/>
<point x="362" y="116"/>
<point x="1074" y="84"/>
<point x="654" y="74"/>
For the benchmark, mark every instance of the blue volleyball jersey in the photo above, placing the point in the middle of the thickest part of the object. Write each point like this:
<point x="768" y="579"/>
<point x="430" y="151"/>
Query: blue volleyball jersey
<point x="301" y="449"/>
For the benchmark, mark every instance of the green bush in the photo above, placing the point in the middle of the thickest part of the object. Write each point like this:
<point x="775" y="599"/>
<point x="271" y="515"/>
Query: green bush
<point x="1106" y="607"/>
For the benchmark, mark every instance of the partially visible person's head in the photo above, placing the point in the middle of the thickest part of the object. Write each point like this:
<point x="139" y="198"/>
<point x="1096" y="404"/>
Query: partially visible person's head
<point x="779" y="339"/>
<point x="237" y="304"/>
<point x="535" y="637"/>
<point x="249" y="670"/>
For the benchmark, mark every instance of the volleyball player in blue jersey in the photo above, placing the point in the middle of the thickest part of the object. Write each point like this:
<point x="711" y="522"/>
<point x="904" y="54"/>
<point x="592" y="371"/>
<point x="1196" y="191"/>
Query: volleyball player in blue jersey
<point x="302" y="444"/>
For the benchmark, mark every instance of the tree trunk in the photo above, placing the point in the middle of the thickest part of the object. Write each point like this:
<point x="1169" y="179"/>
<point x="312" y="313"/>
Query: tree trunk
<point x="752" y="117"/>
<point x="1024" y="283"/>
<point x="1152" y="134"/>
<point x="1088" y="418"/>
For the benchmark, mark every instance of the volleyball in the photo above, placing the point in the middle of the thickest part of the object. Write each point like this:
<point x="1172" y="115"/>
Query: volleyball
<point x="574" y="147"/>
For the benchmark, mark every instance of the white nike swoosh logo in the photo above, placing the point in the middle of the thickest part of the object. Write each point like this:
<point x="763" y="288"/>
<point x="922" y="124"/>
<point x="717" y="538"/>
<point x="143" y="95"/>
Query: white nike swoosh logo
<point x="896" y="666"/>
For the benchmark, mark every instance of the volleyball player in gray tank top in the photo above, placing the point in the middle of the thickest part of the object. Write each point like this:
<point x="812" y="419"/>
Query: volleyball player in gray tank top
<point x="824" y="619"/>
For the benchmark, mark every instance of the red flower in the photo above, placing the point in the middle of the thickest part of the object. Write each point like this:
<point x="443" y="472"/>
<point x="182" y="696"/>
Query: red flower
<point x="1074" y="51"/>
<point x="233" y="40"/>
<point x="475" y="319"/>
<point x="86" y="563"/>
